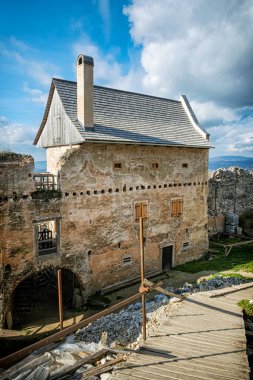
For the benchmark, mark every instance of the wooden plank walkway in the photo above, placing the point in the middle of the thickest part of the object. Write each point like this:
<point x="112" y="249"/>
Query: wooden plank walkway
<point x="203" y="339"/>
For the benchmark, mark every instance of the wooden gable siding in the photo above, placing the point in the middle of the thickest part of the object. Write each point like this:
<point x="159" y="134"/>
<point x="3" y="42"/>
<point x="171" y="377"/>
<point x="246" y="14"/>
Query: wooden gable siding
<point x="58" y="129"/>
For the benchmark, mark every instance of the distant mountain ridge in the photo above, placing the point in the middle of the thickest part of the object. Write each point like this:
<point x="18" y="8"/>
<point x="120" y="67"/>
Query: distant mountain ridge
<point x="228" y="161"/>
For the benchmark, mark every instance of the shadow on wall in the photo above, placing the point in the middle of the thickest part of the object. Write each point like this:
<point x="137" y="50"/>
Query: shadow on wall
<point x="246" y="222"/>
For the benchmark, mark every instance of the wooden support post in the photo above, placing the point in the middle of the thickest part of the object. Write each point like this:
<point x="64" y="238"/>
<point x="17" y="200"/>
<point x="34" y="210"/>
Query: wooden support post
<point x="60" y="298"/>
<point x="10" y="359"/>
<point x="142" y="281"/>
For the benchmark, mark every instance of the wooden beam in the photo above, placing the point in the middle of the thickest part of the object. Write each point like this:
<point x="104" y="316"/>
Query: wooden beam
<point x="101" y="368"/>
<point x="158" y="288"/>
<point x="228" y="247"/>
<point x="59" y="280"/>
<point x="62" y="372"/>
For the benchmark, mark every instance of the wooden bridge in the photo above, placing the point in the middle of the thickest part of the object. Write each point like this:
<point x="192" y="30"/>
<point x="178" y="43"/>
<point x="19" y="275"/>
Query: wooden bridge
<point x="204" y="338"/>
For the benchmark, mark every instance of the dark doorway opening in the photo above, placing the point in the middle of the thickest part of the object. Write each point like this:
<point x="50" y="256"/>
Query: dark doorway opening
<point x="36" y="297"/>
<point x="167" y="257"/>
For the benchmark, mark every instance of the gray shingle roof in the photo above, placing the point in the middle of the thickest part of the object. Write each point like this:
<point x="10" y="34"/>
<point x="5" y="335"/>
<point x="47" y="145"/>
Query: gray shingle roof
<point x="121" y="116"/>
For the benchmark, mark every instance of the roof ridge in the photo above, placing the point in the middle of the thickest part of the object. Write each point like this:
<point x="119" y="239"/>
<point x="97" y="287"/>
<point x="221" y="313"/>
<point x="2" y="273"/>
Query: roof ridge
<point x="63" y="80"/>
<point x="138" y="93"/>
<point x="122" y="91"/>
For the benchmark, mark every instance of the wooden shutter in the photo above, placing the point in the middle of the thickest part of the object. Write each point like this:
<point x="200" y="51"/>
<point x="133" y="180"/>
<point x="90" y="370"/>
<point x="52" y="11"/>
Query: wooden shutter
<point x="137" y="211"/>
<point x="144" y="212"/>
<point x="179" y="207"/>
<point x="141" y="211"/>
<point x="174" y="208"/>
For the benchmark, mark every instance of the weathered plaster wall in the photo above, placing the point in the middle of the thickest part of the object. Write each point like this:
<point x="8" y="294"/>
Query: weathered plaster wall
<point x="108" y="194"/>
<point x="57" y="156"/>
<point x="97" y="223"/>
<point x="230" y="190"/>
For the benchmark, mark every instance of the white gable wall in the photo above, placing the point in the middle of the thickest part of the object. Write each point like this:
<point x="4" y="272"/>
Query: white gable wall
<point x="58" y="129"/>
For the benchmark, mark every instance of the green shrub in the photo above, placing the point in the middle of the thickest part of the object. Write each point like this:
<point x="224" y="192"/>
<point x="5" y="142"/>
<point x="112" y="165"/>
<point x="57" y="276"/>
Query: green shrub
<point x="246" y="306"/>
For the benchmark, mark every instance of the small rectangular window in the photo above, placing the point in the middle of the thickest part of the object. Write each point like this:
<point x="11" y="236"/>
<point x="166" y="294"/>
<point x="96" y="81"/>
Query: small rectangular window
<point x="155" y="165"/>
<point x="117" y="165"/>
<point x="127" y="259"/>
<point x="47" y="237"/>
<point x="141" y="211"/>
<point x="185" y="165"/>
<point x="176" y="207"/>
<point x="185" y="245"/>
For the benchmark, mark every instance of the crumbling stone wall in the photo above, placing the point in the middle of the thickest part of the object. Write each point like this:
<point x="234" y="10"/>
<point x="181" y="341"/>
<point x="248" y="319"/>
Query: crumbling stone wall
<point x="16" y="174"/>
<point x="230" y="190"/>
<point x="96" y="212"/>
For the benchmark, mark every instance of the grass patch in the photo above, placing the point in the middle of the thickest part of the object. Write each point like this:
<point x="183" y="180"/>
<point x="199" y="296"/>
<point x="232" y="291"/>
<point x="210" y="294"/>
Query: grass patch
<point x="240" y="259"/>
<point x="233" y="275"/>
<point x="227" y="240"/>
<point x="246" y="306"/>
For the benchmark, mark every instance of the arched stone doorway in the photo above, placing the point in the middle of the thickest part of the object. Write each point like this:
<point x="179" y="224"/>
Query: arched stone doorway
<point x="36" y="297"/>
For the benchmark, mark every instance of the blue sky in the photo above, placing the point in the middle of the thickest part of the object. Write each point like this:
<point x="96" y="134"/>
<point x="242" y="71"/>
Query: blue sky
<point x="164" y="47"/>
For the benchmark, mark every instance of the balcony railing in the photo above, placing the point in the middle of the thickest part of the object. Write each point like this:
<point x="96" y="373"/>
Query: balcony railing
<point x="47" y="246"/>
<point x="45" y="181"/>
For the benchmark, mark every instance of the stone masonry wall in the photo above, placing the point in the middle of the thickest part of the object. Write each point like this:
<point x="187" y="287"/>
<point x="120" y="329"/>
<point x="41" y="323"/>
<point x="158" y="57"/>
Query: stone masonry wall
<point x="230" y="190"/>
<point x="96" y="214"/>
<point x="108" y="194"/>
<point x="16" y="174"/>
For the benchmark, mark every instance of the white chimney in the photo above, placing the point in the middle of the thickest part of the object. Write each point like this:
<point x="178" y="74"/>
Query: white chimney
<point x="84" y="71"/>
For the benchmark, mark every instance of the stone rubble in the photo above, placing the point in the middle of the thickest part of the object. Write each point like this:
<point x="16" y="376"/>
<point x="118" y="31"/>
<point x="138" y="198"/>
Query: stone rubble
<point x="125" y="326"/>
<point x="122" y="329"/>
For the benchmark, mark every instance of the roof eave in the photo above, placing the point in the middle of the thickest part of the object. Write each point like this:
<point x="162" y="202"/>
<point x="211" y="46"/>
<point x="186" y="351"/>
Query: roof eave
<point x="45" y="116"/>
<point x="191" y="115"/>
<point x="127" y="142"/>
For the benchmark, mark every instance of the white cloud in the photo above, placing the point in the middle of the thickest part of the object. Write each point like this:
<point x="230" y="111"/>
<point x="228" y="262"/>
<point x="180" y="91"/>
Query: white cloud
<point x="13" y="132"/>
<point x="20" y="57"/>
<point x="211" y="113"/>
<point x="104" y="10"/>
<point x="18" y="138"/>
<point x="35" y="95"/>
<point x="201" y="48"/>
<point x="234" y="137"/>
<point x="20" y="45"/>
<point x="107" y="71"/>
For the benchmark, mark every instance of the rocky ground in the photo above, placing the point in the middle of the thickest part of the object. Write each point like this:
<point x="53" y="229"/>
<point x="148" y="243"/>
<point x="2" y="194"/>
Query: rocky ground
<point x="125" y="326"/>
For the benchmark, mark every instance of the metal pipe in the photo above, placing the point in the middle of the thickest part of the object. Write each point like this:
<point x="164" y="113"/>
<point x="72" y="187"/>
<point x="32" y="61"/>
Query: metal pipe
<point x="144" y="329"/>
<point x="10" y="359"/>
<point x="60" y="298"/>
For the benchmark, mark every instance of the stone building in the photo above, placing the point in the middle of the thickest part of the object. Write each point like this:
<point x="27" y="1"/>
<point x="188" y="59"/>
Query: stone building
<point x="113" y="156"/>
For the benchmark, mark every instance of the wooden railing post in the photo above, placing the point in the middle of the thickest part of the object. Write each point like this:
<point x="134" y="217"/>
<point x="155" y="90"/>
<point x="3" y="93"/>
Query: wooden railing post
<point x="60" y="298"/>
<point x="142" y="281"/>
